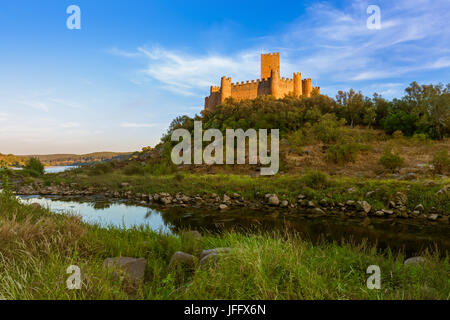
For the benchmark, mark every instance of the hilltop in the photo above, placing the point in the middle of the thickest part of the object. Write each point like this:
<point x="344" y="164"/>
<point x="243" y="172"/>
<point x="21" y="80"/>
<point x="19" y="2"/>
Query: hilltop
<point x="76" y="159"/>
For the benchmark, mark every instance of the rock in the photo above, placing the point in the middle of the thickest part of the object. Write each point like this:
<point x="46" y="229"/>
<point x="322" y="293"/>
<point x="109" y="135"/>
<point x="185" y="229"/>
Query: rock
<point x="379" y="213"/>
<point x="226" y="198"/>
<point x="284" y="203"/>
<point x="133" y="268"/>
<point x="388" y="212"/>
<point x="414" y="261"/>
<point x="273" y="200"/>
<point x="433" y="217"/>
<point x="323" y="202"/>
<point x="183" y="259"/>
<point x="419" y="207"/>
<point x="216" y="251"/>
<point x="166" y="200"/>
<point x="235" y="195"/>
<point x="35" y="206"/>
<point x="301" y="196"/>
<point x="350" y="203"/>
<point x="401" y="197"/>
<point x="124" y="184"/>
<point x="369" y="194"/>
<point x="351" y="190"/>
<point x="410" y="176"/>
<point x="365" y="206"/>
<point x="194" y="234"/>
<point x="208" y="260"/>
<point x="209" y="257"/>
<point x="444" y="190"/>
<point x="318" y="211"/>
<point x="223" y="206"/>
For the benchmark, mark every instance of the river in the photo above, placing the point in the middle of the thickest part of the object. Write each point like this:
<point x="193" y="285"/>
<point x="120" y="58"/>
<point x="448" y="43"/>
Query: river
<point x="410" y="235"/>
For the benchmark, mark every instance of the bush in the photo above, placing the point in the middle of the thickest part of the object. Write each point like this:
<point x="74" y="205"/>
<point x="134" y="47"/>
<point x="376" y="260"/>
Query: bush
<point x="343" y="153"/>
<point x="100" y="168"/>
<point x="35" y="166"/>
<point x="391" y="161"/>
<point x="441" y="162"/>
<point x="160" y="168"/>
<point x="315" y="179"/>
<point x="134" y="168"/>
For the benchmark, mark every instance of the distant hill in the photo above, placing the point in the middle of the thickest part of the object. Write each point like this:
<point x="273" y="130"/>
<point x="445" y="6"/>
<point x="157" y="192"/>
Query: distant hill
<point x="76" y="159"/>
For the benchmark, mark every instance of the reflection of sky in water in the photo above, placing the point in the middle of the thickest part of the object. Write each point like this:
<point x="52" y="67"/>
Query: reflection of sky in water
<point x="118" y="215"/>
<point x="57" y="169"/>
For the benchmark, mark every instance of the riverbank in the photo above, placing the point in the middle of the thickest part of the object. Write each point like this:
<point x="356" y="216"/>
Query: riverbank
<point x="314" y="192"/>
<point x="37" y="246"/>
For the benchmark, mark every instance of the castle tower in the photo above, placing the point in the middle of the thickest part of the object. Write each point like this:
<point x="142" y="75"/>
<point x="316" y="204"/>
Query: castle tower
<point x="297" y="84"/>
<point x="307" y="87"/>
<point x="225" y="89"/>
<point x="269" y="62"/>
<point x="275" y="84"/>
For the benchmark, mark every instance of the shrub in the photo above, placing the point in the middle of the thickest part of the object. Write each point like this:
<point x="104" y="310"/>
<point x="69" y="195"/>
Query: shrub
<point x="441" y="162"/>
<point x="420" y="137"/>
<point x="100" y="168"/>
<point x="296" y="140"/>
<point x="343" y="153"/>
<point x="160" y="168"/>
<point x="391" y="161"/>
<point x="134" y="168"/>
<point x="315" y="179"/>
<point x="35" y="166"/>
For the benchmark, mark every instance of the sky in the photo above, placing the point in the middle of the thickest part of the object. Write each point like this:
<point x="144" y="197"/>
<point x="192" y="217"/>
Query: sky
<point x="118" y="82"/>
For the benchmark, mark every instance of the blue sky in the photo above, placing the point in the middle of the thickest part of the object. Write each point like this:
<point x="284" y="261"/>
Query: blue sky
<point x="135" y="65"/>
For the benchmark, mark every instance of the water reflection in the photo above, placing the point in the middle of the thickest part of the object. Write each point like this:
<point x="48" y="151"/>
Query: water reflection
<point x="410" y="235"/>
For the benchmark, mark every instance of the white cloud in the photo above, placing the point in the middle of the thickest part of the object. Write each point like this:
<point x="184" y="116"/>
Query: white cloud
<point x="188" y="74"/>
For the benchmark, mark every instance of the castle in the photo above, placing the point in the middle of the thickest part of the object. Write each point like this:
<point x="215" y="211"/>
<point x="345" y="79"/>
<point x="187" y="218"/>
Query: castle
<point x="270" y="83"/>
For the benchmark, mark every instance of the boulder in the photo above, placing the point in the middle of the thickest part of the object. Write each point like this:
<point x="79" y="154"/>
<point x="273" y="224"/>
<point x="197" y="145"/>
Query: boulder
<point x="284" y="203"/>
<point x="223" y="206"/>
<point x="133" y="268"/>
<point x="433" y="217"/>
<point x="35" y="206"/>
<point x="182" y="259"/>
<point x="365" y="206"/>
<point x="273" y="200"/>
<point x="419" y="208"/>
<point x="209" y="257"/>
<point x="401" y="198"/>
<point x="216" y="251"/>
<point x="414" y="261"/>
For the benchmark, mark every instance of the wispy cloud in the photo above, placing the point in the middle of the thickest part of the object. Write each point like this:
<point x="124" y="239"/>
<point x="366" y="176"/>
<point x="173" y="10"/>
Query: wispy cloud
<point x="327" y="43"/>
<point x="187" y="74"/>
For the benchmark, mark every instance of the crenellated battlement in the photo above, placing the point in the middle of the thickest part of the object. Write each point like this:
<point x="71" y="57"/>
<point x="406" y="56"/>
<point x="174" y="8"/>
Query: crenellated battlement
<point x="270" y="83"/>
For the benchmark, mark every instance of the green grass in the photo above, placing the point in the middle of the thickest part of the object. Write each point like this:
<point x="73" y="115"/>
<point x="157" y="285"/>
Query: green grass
<point x="37" y="246"/>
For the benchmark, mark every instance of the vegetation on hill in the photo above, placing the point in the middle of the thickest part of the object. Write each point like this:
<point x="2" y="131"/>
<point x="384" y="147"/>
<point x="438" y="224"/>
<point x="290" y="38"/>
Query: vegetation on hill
<point x="424" y="110"/>
<point x="10" y="160"/>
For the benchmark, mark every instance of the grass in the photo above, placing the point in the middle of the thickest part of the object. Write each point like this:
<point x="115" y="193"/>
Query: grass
<point x="37" y="246"/>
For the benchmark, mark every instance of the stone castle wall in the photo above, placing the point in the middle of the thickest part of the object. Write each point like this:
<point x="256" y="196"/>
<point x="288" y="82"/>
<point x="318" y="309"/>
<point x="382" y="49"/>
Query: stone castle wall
<point x="269" y="84"/>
